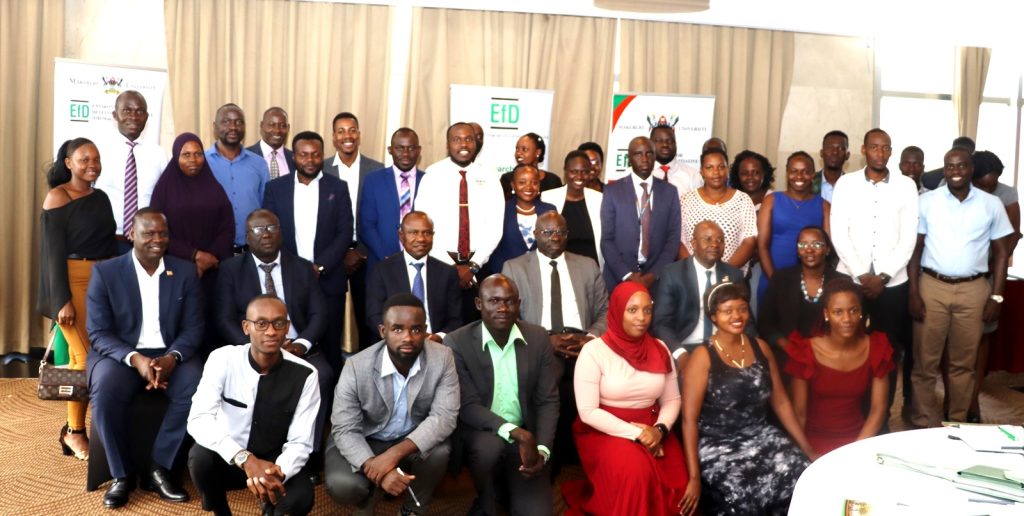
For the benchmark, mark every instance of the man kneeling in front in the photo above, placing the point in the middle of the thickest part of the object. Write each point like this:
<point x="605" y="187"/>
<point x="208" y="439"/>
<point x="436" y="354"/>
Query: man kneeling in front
<point x="394" y="408"/>
<point x="252" y="418"/>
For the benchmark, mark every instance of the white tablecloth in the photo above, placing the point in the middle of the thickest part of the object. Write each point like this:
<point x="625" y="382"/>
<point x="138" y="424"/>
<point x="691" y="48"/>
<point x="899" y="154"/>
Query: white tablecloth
<point x="852" y="472"/>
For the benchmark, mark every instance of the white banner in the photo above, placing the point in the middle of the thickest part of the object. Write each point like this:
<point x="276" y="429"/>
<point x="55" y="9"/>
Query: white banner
<point x="84" y="95"/>
<point x="505" y="114"/>
<point x="635" y="114"/>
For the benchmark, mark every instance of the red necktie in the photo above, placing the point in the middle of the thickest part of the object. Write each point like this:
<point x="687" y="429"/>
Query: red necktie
<point x="664" y="168"/>
<point x="463" y="217"/>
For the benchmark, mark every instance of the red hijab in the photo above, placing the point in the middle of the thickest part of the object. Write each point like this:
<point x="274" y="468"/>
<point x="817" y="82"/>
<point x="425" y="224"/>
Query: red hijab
<point x="644" y="353"/>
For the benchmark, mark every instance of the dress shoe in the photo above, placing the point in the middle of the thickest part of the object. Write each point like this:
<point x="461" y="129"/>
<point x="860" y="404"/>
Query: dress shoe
<point x="159" y="482"/>
<point x="117" y="493"/>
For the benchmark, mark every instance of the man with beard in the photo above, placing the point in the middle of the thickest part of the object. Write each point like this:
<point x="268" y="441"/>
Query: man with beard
<point x="835" y="151"/>
<point x="242" y="173"/>
<point x="273" y="134"/>
<point x="669" y="167"/>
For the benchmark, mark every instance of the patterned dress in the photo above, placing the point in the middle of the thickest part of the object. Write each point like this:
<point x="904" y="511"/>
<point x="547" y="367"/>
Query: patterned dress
<point x="736" y="217"/>
<point x="747" y="466"/>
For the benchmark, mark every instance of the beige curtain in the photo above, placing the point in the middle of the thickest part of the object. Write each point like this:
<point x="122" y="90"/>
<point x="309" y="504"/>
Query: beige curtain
<point x="571" y="55"/>
<point x="313" y="59"/>
<point x="748" y="71"/>
<point x="969" y="87"/>
<point x="31" y="36"/>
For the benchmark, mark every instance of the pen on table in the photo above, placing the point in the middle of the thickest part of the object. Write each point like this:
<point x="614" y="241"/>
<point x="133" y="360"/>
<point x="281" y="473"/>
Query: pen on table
<point x="1006" y="433"/>
<point x="995" y="501"/>
<point x="411" y="493"/>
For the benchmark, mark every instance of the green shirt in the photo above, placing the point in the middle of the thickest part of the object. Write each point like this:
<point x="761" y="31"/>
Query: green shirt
<point x="505" y="401"/>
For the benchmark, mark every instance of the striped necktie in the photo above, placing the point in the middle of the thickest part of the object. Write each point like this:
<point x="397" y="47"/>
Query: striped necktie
<point x="131" y="189"/>
<point x="404" y="196"/>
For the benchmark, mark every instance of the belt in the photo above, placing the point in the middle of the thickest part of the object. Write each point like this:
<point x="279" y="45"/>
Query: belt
<point x="952" y="280"/>
<point x="121" y="238"/>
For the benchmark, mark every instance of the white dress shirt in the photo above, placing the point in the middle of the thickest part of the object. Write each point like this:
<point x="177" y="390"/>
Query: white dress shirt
<point x="702" y="278"/>
<point x="439" y="198"/>
<point x="570" y="310"/>
<point x="307" y="209"/>
<point x="150" y="161"/>
<point x="224" y="428"/>
<point x="350" y="175"/>
<point x="637" y="182"/>
<point x="684" y="177"/>
<point x="149" y="291"/>
<point x="411" y="271"/>
<point x="282" y="163"/>
<point x="278" y="278"/>
<point x="874" y="225"/>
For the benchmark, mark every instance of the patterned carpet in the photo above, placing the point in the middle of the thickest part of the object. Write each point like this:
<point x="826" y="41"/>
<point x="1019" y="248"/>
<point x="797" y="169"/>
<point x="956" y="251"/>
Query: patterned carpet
<point x="37" y="479"/>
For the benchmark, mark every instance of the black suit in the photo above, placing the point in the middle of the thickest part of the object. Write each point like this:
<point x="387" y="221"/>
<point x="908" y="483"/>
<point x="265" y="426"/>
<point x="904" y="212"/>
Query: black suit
<point x="239" y="281"/>
<point x="444" y="297"/>
<point x="488" y="455"/>
<point x="289" y="157"/>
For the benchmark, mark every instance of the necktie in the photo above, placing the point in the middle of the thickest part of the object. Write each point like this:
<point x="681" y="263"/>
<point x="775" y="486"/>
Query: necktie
<point x="417" y="283"/>
<point x="645" y="222"/>
<point x="463" y="217"/>
<point x="707" y="320"/>
<point x="404" y="196"/>
<point x="268" y="280"/>
<point x="275" y="172"/>
<point x="664" y="168"/>
<point x="131" y="189"/>
<point x="556" y="299"/>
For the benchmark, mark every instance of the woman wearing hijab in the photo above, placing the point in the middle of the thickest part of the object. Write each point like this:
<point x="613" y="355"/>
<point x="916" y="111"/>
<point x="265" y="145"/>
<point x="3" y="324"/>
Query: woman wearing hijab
<point x="628" y="398"/>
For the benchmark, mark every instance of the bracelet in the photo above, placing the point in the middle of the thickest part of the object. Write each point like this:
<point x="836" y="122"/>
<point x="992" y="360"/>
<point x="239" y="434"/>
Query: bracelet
<point x="663" y="429"/>
<point x="194" y="254"/>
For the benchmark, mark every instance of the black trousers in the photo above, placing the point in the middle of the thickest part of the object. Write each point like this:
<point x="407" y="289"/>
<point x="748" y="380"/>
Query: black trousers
<point x="494" y="466"/>
<point x="348" y="487"/>
<point x="214" y="478"/>
<point x="889" y="314"/>
<point x="331" y="344"/>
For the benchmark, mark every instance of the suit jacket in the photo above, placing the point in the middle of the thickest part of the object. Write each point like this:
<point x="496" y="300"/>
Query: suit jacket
<point x="620" y="230"/>
<point x="333" y="226"/>
<point x="592" y="198"/>
<point x="114" y="314"/>
<point x="538" y="381"/>
<point x="932" y="178"/>
<point x="289" y="156"/>
<point x="238" y="281"/>
<point x="364" y="400"/>
<point x="587" y="286"/>
<point x="512" y="244"/>
<point x="379" y="220"/>
<point x="677" y="303"/>
<point x="367" y="166"/>
<point x="444" y="297"/>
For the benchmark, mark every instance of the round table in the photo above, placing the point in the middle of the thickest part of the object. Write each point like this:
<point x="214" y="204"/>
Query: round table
<point x="852" y="472"/>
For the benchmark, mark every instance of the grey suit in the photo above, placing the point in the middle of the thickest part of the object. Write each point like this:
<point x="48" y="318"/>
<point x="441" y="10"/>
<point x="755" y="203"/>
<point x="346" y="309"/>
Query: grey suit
<point x="587" y="286"/>
<point x="363" y="404"/>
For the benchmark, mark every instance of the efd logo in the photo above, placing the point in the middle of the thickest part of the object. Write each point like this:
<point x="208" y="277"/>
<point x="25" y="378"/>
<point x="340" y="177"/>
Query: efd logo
<point x="504" y="113"/>
<point x="78" y="110"/>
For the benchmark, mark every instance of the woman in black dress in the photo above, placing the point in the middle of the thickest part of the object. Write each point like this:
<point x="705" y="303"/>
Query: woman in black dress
<point x="78" y="229"/>
<point x="530" y="150"/>
<point x="738" y="462"/>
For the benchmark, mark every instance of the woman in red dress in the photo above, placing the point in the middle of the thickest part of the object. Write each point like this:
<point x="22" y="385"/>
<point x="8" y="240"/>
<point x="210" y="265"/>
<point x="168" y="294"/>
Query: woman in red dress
<point x="834" y="371"/>
<point x="627" y="394"/>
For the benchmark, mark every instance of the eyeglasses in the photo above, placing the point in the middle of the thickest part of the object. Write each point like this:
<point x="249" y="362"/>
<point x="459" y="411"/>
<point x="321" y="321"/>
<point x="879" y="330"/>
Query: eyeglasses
<point x="259" y="230"/>
<point x="263" y="324"/>
<point x="817" y="244"/>
<point x="553" y="232"/>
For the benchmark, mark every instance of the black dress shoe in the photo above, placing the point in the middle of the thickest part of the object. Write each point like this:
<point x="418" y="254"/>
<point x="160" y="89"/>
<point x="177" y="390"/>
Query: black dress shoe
<point x="160" y="483"/>
<point x="117" y="493"/>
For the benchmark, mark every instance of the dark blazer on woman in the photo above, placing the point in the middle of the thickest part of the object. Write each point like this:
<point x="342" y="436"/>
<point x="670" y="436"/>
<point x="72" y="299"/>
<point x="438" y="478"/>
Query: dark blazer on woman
<point x="512" y="244"/>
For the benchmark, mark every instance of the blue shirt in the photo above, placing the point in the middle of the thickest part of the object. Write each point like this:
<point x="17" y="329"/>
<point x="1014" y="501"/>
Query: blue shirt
<point x="399" y="424"/>
<point x="244" y="180"/>
<point x="957" y="235"/>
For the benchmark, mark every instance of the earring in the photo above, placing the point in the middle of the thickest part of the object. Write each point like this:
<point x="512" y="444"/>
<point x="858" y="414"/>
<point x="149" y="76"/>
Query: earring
<point x="826" y="319"/>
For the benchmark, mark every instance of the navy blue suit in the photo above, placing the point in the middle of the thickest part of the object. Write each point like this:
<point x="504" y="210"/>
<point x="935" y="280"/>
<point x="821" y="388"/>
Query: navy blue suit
<point x="379" y="215"/>
<point x="289" y="156"/>
<point x="620" y="230"/>
<point x="444" y="297"/>
<point x="333" y="238"/>
<point x="114" y="321"/>
<point x="512" y="244"/>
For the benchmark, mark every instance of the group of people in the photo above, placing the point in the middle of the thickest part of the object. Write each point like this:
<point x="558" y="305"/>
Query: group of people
<point x="510" y="324"/>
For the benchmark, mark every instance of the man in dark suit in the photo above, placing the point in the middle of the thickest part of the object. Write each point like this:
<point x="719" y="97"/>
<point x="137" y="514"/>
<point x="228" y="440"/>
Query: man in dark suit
<point x="640" y="221"/>
<point x="388" y="196"/>
<point x="273" y="134"/>
<point x="145" y="321"/>
<point x="679" y="317"/>
<point x="267" y="269"/>
<point x="349" y="165"/>
<point x="509" y="402"/>
<point x="434" y="282"/>
<point x="316" y="224"/>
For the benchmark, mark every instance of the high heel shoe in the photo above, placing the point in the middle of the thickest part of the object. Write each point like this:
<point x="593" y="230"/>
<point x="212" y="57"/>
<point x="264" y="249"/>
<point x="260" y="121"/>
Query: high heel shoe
<point x="68" y="451"/>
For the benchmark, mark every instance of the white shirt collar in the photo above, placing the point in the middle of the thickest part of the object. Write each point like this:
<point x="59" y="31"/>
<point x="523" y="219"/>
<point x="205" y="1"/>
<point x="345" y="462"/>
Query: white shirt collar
<point x="387" y="367"/>
<point x="141" y="271"/>
<point x="314" y="181"/>
<point x="701" y="269"/>
<point x="277" y="260"/>
<point x="409" y="259"/>
<point x="267" y="149"/>
<point x="637" y="181"/>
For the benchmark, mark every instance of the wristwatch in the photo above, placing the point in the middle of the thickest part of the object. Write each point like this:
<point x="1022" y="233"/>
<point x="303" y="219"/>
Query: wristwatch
<point x="177" y="355"/>
<point x="474" y="267"/>
<point x="997" y="298"/>
<point x="240" y="458"/>
<point x="885" y="278"/>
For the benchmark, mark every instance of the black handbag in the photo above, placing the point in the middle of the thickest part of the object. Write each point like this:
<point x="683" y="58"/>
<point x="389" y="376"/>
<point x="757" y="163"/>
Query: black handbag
<point x="58" y="383"/>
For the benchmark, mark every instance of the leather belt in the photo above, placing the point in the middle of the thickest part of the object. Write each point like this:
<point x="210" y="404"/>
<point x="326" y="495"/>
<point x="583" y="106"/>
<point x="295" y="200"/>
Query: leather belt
<point x="952" y="280"/>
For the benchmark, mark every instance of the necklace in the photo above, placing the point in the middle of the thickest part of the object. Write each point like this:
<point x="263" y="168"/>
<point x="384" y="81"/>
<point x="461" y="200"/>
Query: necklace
<point x="803" y="289"/>
<point x="796" y="203"/>
<point x="720" y="198"/>
<point x="525" y="211"/>
<point x="743" y="352"/>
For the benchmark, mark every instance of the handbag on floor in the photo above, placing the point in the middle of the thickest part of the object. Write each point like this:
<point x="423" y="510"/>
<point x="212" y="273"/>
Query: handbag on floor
<point x="58" y="383"/>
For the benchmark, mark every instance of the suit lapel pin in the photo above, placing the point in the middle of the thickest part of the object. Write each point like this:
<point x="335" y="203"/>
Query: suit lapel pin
<point x="170" y="273"/>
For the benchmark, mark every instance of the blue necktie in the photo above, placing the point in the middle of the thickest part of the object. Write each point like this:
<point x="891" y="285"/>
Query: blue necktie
<point x="417" y="282"/>
<point x="707" y="320"/>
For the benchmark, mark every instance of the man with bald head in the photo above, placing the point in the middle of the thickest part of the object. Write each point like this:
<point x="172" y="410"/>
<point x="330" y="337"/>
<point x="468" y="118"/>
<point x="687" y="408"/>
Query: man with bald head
<point x="962" y="236"/>
<point x="679" y="317"/>
<point x="640" y="217"/>
<point x="273" y="134"/>
<point x="132" y="164"/>
<point x="242" y="173"/>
